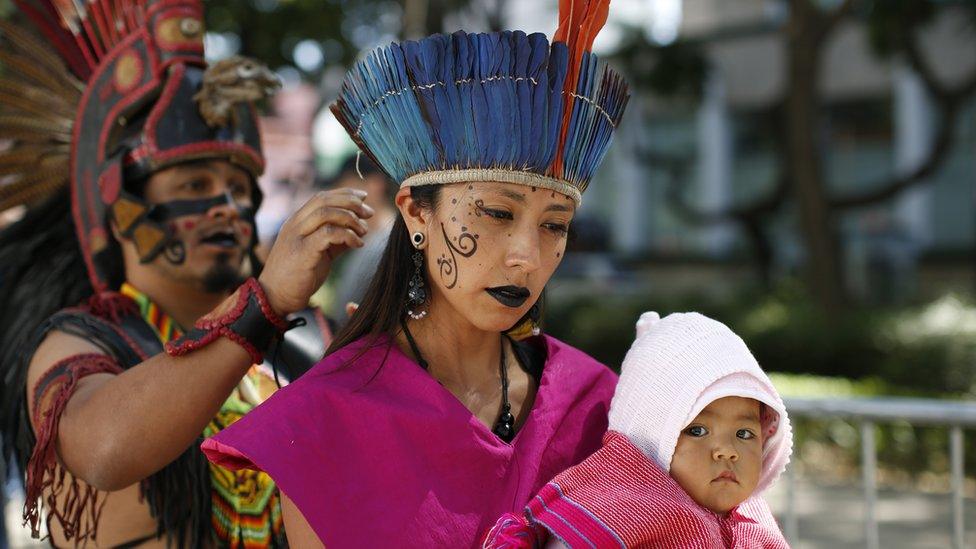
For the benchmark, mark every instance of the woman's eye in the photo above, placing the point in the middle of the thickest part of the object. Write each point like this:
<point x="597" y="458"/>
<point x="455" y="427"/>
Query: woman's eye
<point x="745" y="434"/>
<point x="696" y="431"/>
<point x="557" y="228"/>
<point x="497" y="214"/>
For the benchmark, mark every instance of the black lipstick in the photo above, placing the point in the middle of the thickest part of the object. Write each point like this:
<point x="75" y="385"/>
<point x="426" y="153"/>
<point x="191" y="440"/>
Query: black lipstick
<point x="510" y="296"/>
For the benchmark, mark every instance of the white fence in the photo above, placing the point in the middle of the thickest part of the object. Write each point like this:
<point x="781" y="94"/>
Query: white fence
<point x="867" y="412"/>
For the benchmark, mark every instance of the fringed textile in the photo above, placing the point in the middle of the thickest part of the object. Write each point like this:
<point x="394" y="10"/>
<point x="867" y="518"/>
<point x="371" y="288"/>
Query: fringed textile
<point x="80" y="504"/>
<point x="245" y="509"/>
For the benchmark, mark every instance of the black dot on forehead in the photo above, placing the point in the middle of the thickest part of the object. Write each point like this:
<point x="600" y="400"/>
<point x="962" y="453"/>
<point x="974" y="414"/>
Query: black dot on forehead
<point x="534" y="189"/>
<point x="454" y="201"/>
<point x="470" y="187"/>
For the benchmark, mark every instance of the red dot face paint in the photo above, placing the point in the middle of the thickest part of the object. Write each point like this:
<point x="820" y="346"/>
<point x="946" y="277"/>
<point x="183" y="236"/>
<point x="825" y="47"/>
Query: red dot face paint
<point x="246" y="230"/>
<point x="189" y="225"/>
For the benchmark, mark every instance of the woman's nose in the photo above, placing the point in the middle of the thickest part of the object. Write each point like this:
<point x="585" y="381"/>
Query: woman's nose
<point x="524" y="251"/>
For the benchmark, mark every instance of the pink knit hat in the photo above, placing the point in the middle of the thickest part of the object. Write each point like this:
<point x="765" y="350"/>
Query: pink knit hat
<point x="675" y="368"/>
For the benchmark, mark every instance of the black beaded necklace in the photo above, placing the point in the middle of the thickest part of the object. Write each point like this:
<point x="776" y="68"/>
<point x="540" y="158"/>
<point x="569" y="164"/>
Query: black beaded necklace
<point x="505" y="426"/>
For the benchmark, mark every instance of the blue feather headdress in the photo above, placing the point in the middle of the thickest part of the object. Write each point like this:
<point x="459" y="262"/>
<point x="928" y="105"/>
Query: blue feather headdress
<point x="504" y="107"/>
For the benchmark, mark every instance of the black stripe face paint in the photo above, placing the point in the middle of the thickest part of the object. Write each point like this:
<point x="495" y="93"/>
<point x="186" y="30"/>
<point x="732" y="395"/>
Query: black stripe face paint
<point x="164" y="213"/>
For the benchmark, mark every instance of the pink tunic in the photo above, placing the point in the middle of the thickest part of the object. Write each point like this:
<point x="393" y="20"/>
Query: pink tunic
<point x="375" y="453"/>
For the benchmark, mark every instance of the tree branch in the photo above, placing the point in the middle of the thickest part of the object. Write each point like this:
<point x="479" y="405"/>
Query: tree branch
<point x="948" y="102"/>
<point x="885" y="190"/>
<point x="676" y="167"/>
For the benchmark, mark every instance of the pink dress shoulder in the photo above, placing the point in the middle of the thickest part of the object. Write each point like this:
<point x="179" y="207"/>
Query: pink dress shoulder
<point x="375" y="453"/>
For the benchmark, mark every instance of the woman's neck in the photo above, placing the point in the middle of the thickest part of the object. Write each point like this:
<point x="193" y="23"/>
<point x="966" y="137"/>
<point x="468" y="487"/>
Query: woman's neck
<point x="459" y="355"/>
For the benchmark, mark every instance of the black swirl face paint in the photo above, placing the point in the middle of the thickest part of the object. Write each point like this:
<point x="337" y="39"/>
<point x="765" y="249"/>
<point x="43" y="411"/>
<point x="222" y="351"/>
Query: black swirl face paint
<point x="175" y="251"/>
<point x="465" y="246"/>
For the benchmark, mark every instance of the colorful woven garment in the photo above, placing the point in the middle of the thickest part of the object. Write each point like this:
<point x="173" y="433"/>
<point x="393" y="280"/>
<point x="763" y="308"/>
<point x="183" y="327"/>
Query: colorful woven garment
<point x="246" y="506"/>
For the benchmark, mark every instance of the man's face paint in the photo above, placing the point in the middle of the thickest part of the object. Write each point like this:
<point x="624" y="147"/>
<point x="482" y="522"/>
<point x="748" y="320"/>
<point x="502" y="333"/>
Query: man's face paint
<point x="182" y="217"/>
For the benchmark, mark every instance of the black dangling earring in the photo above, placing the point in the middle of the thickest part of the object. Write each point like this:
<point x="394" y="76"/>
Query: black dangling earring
<point x="417" y="294"/>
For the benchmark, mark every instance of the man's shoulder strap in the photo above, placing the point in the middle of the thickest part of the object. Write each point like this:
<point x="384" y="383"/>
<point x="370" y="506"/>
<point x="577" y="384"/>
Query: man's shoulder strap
<point x="124" y="334"/>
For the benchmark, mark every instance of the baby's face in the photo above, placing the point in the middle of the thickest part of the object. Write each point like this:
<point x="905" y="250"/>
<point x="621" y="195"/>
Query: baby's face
<point x="718" y="458"/>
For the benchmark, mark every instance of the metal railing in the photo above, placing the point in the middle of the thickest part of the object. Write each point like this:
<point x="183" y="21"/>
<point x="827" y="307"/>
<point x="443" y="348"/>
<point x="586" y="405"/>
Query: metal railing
<point x="869" y="411"/>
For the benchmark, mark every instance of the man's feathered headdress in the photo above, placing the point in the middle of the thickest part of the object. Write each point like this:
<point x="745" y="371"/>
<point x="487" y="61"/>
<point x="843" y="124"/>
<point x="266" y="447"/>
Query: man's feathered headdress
<point x="504" y="107"/>
<point x="110" y="90"/>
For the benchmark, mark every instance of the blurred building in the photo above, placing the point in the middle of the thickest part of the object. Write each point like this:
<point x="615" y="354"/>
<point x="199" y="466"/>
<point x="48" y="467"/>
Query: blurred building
<point x="286" y="137"/>
<point x="880" y="122"/>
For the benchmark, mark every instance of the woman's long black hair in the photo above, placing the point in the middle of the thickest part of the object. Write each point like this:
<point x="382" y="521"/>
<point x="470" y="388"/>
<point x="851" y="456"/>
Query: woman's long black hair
<point x="385" y="302"/>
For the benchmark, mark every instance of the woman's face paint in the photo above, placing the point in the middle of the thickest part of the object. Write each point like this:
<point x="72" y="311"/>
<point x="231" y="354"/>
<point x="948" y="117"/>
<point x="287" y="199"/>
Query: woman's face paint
<point x="492" y="249"/>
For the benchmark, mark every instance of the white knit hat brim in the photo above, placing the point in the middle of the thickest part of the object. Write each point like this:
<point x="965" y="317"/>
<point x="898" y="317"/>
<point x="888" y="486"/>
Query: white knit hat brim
<point x="776" y="453"/>
<point x="663" y="382"/>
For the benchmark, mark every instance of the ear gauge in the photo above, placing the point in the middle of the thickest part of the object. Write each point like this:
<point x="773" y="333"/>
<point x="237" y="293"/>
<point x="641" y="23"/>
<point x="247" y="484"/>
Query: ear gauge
<point x="418" y="239"/>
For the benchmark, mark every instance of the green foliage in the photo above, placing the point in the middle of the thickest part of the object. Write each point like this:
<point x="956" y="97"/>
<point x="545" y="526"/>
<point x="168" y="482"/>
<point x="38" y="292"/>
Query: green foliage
<point x="269" y="29"/>
<point x="928" y="349"/>
<point x="888" y="20"/>
<point x="674" y="70"/>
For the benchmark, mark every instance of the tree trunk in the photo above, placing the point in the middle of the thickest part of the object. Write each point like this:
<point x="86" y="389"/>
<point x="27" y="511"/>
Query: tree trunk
<point x="415" y="14"/>
<point x="806" y="31"/>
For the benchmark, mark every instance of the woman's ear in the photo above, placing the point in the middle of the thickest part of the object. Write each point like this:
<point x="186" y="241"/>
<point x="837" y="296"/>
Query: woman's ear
<point x="416" y="217"/>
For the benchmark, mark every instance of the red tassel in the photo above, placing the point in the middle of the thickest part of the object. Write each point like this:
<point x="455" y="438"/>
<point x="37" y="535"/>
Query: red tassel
<point x="80" y="507"/>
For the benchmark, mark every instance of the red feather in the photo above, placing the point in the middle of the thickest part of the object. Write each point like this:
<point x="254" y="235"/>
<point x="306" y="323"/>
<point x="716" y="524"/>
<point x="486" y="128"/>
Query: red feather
<point x="579" y="23"/>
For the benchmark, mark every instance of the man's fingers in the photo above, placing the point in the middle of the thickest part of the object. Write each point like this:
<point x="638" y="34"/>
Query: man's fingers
<point x="349" y="199"/>
<point x="329" y="215"/>
<point x="328" y="236"/>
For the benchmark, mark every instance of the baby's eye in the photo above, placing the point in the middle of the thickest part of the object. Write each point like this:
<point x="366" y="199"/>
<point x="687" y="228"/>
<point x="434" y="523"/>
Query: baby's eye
<point x="745" y="434"/>
<point x="696" y="431"/>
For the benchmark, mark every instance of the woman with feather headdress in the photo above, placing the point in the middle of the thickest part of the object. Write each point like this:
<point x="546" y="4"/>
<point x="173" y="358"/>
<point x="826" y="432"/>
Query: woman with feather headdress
<point x="441" y="405"/>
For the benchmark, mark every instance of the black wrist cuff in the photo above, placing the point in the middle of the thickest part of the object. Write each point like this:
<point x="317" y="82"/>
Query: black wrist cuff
<point x="250" y="322"/>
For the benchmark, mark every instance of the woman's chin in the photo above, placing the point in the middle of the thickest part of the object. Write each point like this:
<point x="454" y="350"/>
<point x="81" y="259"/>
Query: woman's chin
<point x="494" y="322"/>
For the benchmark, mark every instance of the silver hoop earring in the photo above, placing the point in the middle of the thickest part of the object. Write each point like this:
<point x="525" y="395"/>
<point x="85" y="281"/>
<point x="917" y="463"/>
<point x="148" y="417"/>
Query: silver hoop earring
<point x="418" y="239"/>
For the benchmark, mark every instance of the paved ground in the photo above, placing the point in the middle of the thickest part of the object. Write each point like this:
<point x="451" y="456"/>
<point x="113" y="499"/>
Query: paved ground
<point x="829" y="517"/>
<point x="832" y="517"/>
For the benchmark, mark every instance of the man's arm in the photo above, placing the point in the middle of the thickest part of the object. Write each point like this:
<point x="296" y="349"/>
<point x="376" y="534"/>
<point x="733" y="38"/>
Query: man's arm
<point x="116" y="430"/>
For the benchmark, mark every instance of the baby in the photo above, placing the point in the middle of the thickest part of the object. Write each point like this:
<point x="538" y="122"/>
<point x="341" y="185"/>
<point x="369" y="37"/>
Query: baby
<point x="697" y="433"/>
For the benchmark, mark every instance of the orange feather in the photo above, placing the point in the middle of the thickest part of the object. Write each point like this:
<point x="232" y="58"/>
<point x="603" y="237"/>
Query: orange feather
<point x="579" y="23"/>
